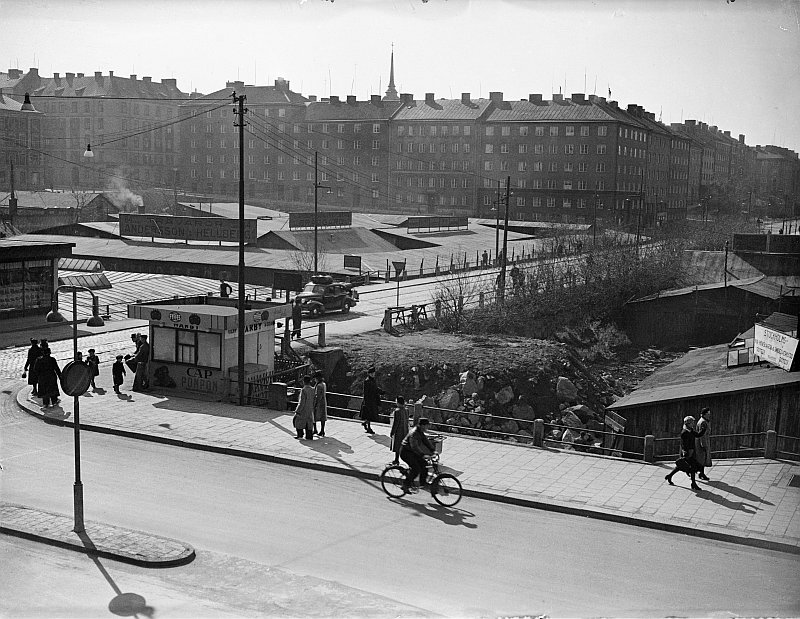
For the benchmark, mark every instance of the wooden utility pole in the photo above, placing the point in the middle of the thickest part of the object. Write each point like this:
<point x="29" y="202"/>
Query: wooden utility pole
<point x="240" y="111"/>
<point x="502" y="287"/>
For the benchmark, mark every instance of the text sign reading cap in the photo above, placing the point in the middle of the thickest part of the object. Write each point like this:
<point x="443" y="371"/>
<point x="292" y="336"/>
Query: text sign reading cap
<point x="75" y="378"/>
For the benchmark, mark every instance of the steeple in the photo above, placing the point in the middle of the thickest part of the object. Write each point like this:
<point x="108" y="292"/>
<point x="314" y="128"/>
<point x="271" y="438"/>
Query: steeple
<point x="391" y="91"/>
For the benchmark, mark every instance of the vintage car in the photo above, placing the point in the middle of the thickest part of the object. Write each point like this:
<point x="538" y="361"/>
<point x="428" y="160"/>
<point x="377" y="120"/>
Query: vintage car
<point x="322" y="294"/>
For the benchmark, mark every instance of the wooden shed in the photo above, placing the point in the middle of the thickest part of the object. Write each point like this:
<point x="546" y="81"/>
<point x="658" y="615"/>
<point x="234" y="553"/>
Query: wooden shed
<point x="745" y="402"/>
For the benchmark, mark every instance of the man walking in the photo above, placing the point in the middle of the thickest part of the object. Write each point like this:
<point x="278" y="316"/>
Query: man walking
<point x="47" y="375"/>
<point x="34" y="352"/>
<point x="142" y="359"/>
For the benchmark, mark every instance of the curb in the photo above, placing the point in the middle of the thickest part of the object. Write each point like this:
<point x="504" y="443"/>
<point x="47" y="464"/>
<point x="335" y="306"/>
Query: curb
<point x="703" y="531"/>
<point x="54" y="530"/>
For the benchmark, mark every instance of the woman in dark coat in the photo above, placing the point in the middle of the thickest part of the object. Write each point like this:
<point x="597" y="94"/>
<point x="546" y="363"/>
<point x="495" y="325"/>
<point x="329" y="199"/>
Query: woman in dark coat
<point x="371" y="403"/>
<point x="47" y="375"/>
<point x="688" y="463"/>
<point x="34" y="352"/>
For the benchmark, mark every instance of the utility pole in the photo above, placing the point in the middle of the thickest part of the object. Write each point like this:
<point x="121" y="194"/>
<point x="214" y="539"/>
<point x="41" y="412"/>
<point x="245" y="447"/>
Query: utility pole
<point x="239" y="111"/>
<point x="497" y="224"/>
<point x="317" y="187"/>
<point x="503" y="262"/>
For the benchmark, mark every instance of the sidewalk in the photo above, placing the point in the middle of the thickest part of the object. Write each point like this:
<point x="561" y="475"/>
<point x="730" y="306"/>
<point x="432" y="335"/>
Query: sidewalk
<point x="747" y="501"/>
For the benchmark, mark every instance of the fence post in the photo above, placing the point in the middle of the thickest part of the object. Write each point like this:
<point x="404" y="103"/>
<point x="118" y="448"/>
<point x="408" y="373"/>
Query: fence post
<point x="480" y="299"/>
<point x="321" y="335"/>
<point x="417" y="412"/>
<point x="771" y="444"/>
<point x="388" y="274"/>
<point x="387" y="320"/>
<point x="538" y="432"/>
<point x="460" y="304"/>
<point x="438" y="309"/>
<point x="366" y="278"/>
<point x="649" y="448"/>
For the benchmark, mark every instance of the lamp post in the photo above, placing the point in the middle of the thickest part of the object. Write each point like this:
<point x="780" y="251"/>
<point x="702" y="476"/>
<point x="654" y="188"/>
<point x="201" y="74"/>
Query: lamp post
<point x="594" y="221"/>
<point x="75" y="381"/>
<point x="317" y="187"/>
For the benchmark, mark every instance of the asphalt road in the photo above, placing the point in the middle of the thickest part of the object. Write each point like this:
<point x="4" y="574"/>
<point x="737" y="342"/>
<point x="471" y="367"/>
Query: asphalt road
<point x="333" y="545"/>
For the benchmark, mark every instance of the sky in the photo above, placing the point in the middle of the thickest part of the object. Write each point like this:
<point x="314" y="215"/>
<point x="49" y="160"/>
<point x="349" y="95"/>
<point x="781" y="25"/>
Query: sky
<point x="730" y="63"/>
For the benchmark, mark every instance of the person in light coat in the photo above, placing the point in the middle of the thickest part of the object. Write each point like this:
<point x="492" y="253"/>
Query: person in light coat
<point x="702" y="444"/>
<point x="303" y="419"/>
<point x="320" y="402"/>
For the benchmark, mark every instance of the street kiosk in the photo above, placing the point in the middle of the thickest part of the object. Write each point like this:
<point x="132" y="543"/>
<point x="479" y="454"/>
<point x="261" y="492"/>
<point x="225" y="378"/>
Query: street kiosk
<point x="194" y="345"/>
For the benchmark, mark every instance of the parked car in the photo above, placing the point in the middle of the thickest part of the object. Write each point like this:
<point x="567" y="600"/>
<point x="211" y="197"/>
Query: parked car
<point x="322" y="295"/>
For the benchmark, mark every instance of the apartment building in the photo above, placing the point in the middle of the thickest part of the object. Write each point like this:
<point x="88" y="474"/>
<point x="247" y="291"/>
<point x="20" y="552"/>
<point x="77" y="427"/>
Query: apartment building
<point x="20" y="145"/>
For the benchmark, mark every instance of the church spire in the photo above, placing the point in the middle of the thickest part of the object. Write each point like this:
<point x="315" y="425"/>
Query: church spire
<point x="391" y="91"/>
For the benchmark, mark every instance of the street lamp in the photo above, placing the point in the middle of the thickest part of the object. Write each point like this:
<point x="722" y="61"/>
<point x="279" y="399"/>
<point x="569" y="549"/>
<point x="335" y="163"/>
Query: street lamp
<point x="317" y="187"/>
<point x="594" y="220"/>
<point x="75" y="379"/>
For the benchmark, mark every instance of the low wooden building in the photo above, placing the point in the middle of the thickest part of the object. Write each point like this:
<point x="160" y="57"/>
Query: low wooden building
<point x="745" y="402"/>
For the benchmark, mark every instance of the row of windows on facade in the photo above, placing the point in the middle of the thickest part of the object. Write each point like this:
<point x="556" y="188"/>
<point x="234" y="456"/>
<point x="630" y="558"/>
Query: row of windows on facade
<point x="64" y="126"/>
<point x="97" y="106"/>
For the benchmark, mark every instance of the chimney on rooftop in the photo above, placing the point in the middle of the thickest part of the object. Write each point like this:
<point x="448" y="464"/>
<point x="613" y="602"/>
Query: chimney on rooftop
<point x="147" y="79"/>
<point x="351" y="99"/>
<point x="407" y="98"/>
<point x="70" y="77"/>
<point x="33" y="71"/>
<point x="14" y="73"/>
<point x="465" y="100"/>
<point x="727" y="134"/>
<point x="133" y="77"/>
<point x="578" y="97"/>
<point x="375" y="99"/>
<point x="98" y="76"/>
<point x="312" y="98"/>
<point x="334" y="99"/>
<point x="171" y="82"/>
<point x="741" y="138"/>
<point x="535" y="98"/>
<point x="110" y="74"/>
<point x="496" y="97"/>
<point x="57" y="78"/>
<point x="282" y="83"/>
<point x="80" y="74"/>
<point x="558" y="97"/>
<point x="430" y="98"/>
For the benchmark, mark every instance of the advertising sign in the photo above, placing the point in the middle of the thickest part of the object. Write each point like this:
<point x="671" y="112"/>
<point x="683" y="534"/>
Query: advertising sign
<point x="186" y="228"/>
<point x="437" y="223"/>
<point x="325" y="219"/>
<point x="774" y="346"/>
<point x="352" y="262"/>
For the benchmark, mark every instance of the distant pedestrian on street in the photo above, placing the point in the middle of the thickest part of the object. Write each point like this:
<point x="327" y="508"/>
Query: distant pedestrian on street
<point x="297" y="318"/>
<point x="320" y="403"/>
<point x="303" y="419"/>
<point x="485" y="259"/>
<point x="399" y="428"/>
<point x="118" y="372"/>
<point x="371" y="403"/>
<point x="47" y="375"/>
<point x="93" y="361"/>
<point x="686" y="462"/>
<point x="702" y="444"/>
<point x="225" y="289"/>
<point x="34" y="352"/>
<point x="142" y="359"/>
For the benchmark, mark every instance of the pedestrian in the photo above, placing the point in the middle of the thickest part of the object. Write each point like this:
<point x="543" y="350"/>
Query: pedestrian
<point x="297" y="318"/>
<point x="117" y="372"/>
<point x="485" y="259"/>
<point x="371" y="403"/>
<point x="225" y="289"/>
<point x="415" y="446"/>
<point x="686" y="462"/>
<point x="702" y="444"/>
<point x="303" y="419"/>
<point x="93" y="361"/>
<point x="142" y="358"/>
<point x="34" y="352"/>
<point x="320" y="403"/>
<point x="47" y="375"/>
<point x="399" y="428"/>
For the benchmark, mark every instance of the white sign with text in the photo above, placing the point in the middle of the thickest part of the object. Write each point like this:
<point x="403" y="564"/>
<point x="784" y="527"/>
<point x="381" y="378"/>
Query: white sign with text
<point x="774" y="346"/>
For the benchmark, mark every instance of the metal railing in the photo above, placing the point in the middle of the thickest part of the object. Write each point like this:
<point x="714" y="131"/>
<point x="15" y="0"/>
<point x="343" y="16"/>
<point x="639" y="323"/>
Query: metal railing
<point x="788" y="447"/>
<point x="723" y="446"/>
<point x="610" y="445"/>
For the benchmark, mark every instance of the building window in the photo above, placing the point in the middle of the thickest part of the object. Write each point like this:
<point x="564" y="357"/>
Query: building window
<point x="569" y="149"/>
<point x="536" y="202"/>
<point x="522" y="166"/>
<point x="582" y="203"/>
<point x="339" y="144"/>
<point x="568" y="166"/>
<point x="504" y="148"/>
<point x="567" y="184"/>
<point x="523" y="131"/>
<point x="505" y="130"/>
<point x="489" y="131"/>
<point x="537" y="166"/>
<point x="539" y="131"/>
<point x="601" y="167"/>
<point x="523" y="149"/>
<point x="376" y="144"/>
<point x="602" y="131"/>
<point x="538" y="149"/>
<point x="584" y="149"/>
<point x="504" y="166"/>
<point x="554" y="166"/>
<point x="489" y="149"/>
<point x="582" y="167"/>
<point x="520" y="201"/>
<point x="487" y="166"/>
<point x="553" y="131"/>
<point x="581" y="184"/>
<point x="585" y="130"/>
<point x="467" y="130"/>
<point x="601" y="149"/>
<point x="551" y="202"/>
<point x="569" y="130"/>
<point x="567" y="203"/>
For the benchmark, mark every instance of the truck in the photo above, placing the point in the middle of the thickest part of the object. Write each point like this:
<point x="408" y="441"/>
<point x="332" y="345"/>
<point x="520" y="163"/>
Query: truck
<point x="322" y="294"/>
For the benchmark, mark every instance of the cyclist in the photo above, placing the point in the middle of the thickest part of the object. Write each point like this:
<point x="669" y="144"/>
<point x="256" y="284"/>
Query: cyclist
<point x="416" y="445"/>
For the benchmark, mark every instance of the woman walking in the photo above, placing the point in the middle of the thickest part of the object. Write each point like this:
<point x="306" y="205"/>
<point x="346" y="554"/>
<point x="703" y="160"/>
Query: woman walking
<point x="399" y="428"/>
<point x="371" y="403"/>
<point x="303" y="419"/>
<point x="686" y="462"/>
<point x="702" y="444"/>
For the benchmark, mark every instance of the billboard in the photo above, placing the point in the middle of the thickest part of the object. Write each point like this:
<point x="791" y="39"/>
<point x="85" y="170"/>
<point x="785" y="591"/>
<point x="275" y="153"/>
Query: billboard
<point x="774" y="346"/>
<point x="186" y="228"/>
<point x="442" y="222"/>
<point x="325" y="219"/>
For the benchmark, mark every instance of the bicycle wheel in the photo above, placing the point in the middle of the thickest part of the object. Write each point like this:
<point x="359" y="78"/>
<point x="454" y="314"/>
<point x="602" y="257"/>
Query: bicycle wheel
<point x="446" y="489"/>
<point x="392" y="480"/>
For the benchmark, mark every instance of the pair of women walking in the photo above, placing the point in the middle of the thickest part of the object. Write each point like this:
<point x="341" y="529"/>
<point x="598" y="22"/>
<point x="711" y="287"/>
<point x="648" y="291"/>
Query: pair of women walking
<point x="695" y="449"/>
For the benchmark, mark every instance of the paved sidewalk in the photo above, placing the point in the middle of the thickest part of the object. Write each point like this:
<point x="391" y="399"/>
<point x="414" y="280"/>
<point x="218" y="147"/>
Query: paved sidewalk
<point x="102" y="540"/>
<point x="747" y="501"/>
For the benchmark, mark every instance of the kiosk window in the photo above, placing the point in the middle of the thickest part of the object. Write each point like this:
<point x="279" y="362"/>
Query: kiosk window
<point x="208" y="350"/>
<point x="187" y="347"/>
<point x="163" y="344"/>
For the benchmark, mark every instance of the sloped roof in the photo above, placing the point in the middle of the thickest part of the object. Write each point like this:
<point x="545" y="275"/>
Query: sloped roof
<point x="317" y="111"/>
<point x="10" y="105"/>
<point x="442" y="109"/>
<point x="50" y="199"/>
<point x="551" y="111"/>
<point x="106" y="85"/>
<point x="256" y="95"/>
<point x="337" y="241"/>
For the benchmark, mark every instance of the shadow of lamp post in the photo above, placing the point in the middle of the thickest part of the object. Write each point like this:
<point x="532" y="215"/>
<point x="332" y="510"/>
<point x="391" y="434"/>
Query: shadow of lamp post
<point x="75" y="380"/>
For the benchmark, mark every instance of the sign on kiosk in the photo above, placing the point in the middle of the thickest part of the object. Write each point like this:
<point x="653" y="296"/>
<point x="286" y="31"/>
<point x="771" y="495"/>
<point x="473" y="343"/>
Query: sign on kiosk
<point x="774" y="346"/>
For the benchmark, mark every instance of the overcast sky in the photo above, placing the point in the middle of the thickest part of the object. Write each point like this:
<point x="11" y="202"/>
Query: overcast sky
<point x="734" y="64"/>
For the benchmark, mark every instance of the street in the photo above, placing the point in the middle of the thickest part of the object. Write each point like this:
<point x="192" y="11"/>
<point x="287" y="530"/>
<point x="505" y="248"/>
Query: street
<point x="280" y="540"/>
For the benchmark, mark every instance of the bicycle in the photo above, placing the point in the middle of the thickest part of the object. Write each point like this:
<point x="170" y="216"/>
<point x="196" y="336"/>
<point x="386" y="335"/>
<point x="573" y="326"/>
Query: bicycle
<point x="444" y="488"/>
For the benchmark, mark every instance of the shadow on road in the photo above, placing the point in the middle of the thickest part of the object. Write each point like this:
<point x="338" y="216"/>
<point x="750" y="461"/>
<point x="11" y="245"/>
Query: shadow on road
<point x="743" y="494"/>
<point x="447" y="515"/>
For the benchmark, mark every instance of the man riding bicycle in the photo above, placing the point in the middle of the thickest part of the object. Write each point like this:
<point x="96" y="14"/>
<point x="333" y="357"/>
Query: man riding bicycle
<point x="416" y="445"/>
